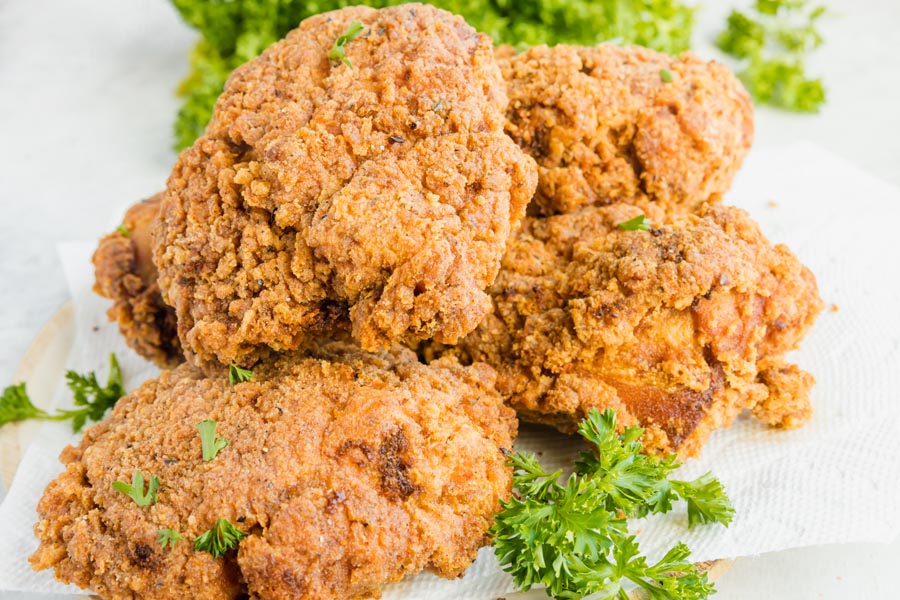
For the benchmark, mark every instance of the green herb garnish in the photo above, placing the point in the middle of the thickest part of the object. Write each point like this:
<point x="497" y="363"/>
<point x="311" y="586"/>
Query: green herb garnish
<point x="238" y="375"/>
<point x="573" y="537"/>
<point x="136" y="489"/>
<point x="640" y="222"/>
<point x="220" y="539"/>
<point x="771" y="41"/>
<point x="123" y="230"/>
<point x="15" y="405"/>
<point x="168" y="537"/>
<point x="665" y="75"/>
<point x="337" y="50"/>
<point x="91" y="399"/>
<point x="211" y="444"/>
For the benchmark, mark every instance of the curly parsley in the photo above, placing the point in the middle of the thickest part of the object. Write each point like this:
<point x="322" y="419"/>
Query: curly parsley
<point x="16" y="405"/>
<point x="771" y="41"/>
<point x="573" y="537"/>
<point x="136" y="489"/>
<point x="238" y="375"/>
<point x="639" y="223"/>
<point x="210" y="443"/>
<point x="224" y="536"/>
<point x="337" y="50"/>
<point x="91" y="399"/>
<point x="168" y="537"/>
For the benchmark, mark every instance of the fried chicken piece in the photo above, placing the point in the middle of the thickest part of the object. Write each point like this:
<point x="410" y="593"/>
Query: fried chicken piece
<point x="124" y="272"/>
<point x="346" y="470"/>
<point x="678" y="328"/>
<point x="626" y="124"/>
<point x="377" y="196"/>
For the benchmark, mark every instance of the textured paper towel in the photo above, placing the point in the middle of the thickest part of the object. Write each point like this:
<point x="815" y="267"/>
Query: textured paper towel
<point x="835" y="480"/>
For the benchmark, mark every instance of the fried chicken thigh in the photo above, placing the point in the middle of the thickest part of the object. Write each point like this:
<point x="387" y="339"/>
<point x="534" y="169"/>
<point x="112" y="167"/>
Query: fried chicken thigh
<point x="347" y="470"/>
<point x="375" y="193"/>
<point x="626" y="124"/>
<point x="124" y="272"/>
<point x="678" y="328"/>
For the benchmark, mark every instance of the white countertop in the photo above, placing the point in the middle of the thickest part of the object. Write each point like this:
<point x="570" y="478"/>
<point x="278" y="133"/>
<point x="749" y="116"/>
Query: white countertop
<point x="86" y="107"/>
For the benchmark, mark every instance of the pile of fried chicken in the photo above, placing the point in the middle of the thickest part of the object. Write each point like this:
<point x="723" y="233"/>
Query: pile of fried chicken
<point x="411" y="245"/>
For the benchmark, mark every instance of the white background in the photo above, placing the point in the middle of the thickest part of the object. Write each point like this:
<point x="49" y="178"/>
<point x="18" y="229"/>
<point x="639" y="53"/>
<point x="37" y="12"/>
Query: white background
<point x="86" y="106"/>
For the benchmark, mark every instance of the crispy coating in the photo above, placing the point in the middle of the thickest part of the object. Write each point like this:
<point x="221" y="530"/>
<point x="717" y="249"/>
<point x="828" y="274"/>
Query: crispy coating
<point x="605" y="127"/>
<point x="347" y="470"/>
<point x="124" y="272"/>
<point x="377" y="196"/>
<point x="678" y="328"/>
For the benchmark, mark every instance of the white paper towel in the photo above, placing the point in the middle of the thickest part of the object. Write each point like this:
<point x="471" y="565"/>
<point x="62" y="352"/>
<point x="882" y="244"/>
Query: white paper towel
<point x="835" y="480"/>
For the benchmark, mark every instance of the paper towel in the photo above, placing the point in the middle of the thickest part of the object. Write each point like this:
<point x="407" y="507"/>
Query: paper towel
<point x="835" y="480"/>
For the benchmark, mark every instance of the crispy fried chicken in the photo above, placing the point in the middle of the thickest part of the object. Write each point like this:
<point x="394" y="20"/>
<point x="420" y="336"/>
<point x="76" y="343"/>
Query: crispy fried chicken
<point x="347" y="470"/>
<point x="626" y="124"/>
<point x="678" y="328"/>
<point x="376" y="195"/>
<point x="124" y="272"/>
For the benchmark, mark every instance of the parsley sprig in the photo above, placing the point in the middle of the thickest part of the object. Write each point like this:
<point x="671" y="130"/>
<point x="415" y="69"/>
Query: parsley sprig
<point x="91" y="399"/>
<point x="573" y="537"/>
<point x="136" y="489"/>
<point x="208" y="440"/>
<point x="238" y="375"/>
<point x="223" y="537"/>
<point x="337" y="50"/>
<point x="772" y="40"/>
<point x="639" y="223"/>
<point x="168" y="537"/>
<point x="15" y="405"/>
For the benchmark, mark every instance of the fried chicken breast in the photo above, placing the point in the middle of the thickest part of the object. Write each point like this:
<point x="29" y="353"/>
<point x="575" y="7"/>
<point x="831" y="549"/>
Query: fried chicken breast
<point x="375" y="193"/>
<point x="124" y="272"/>
<point x="678" y="328"/>
<point x="347" y="470"/>
<point x="626" y="124"/>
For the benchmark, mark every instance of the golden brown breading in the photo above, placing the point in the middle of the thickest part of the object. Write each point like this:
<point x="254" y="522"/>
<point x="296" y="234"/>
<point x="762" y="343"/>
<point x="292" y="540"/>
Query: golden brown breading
<point x="605" y="127"/>
<point x="347" y="469"/>
<point x="379" y="195"/>
<point x="124" y="272"/>
<point x="678" y="328"/>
